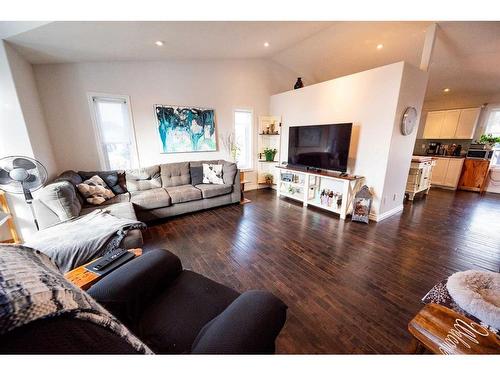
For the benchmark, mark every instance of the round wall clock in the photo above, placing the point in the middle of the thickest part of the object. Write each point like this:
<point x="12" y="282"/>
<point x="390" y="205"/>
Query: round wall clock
<point x="409" y="121"/>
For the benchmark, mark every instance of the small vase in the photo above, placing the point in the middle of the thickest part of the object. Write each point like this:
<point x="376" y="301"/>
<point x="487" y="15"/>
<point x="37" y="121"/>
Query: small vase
<point x="299" y="84"/>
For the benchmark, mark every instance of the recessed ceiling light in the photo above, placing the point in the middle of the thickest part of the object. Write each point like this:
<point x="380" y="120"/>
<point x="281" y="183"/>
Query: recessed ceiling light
<point x="380" y="46"/>
<point x="159" y="43"/>
<point x="266" y="44"/>
<point x="446" y="90"/>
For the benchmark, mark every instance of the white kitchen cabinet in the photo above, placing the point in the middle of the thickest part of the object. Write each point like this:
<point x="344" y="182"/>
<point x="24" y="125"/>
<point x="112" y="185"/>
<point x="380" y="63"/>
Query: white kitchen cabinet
<point x="439" y="171"/>
<point x="449" y="125"/>
<point x="453" y="172"/>
<point x="433" y="124"/>
<point x="467" y="123"/>
<point x="447" y="172"/>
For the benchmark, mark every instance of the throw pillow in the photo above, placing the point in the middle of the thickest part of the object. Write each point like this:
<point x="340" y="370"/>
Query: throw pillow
<point x="196" y="175"/>
<point x="212" y="174"/>
<point x="95" y="190"/>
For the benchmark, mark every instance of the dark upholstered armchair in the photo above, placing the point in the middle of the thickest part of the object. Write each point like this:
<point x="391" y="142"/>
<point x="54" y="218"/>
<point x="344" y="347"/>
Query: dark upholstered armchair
<point x="169" y="309"/>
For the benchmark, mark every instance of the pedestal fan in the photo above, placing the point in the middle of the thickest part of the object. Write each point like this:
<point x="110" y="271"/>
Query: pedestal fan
<point x="22" y="175"/>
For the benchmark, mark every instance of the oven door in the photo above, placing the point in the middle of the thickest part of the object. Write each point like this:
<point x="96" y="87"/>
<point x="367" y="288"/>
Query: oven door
<point x="477" y="154"/>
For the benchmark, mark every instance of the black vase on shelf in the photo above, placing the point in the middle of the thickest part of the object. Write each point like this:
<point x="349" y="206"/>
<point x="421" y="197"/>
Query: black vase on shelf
<point x="299" y="84"/>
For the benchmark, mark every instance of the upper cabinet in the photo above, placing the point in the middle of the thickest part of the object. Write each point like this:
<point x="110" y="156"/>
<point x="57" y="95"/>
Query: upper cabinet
<point x="455" y="123"/>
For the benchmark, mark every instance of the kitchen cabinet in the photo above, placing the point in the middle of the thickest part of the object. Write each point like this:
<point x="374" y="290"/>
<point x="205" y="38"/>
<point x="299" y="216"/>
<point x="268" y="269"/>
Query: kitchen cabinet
<point x="474" y="174"/>
<point x="447" y="172"/>
<point x="467" y="123"/>
<point x="451" y="124"/>
<point x="433" y="124"/>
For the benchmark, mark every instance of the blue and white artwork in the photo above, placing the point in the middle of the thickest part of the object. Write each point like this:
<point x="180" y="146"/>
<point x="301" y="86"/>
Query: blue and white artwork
<point x="186" y="129"/>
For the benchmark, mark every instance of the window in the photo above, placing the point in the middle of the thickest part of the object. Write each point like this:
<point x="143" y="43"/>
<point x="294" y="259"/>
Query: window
<point x="114" y="132"/>
<point x="493" y="124"/>
<point x="243" y="131"/>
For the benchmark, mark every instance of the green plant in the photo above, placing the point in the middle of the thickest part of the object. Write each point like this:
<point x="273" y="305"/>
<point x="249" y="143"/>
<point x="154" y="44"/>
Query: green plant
<point x="268" y="177"/>
<point x="270" y="153"/>
<point x="489" y="139"/>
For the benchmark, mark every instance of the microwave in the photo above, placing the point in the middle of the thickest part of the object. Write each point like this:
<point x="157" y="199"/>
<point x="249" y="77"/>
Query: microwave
<point x="479" y="154"/>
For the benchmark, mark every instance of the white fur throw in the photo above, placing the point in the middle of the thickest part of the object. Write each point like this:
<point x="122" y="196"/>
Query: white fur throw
<point x="478" y="293"/>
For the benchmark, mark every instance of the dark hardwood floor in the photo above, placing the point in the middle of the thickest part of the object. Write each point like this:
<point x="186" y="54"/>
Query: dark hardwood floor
<point x="350" y="287"/>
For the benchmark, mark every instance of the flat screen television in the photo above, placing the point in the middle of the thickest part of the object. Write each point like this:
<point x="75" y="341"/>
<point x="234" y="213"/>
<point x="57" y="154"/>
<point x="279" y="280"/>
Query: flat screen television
<point x="320" y="146"/>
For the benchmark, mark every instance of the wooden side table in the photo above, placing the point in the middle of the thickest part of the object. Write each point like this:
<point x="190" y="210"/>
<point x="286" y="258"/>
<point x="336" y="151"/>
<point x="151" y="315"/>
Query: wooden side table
<point x="7" y="216"/>
<point x="243" y="200"/>
<point x="84" y="279"/>
<point x="444" y="331"/>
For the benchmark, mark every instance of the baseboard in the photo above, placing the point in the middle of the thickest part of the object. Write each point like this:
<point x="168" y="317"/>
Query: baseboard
<point x="386" y="214"/>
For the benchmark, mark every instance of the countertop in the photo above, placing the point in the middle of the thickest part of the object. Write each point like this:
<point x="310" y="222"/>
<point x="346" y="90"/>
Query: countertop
<point x="442" y="156"/>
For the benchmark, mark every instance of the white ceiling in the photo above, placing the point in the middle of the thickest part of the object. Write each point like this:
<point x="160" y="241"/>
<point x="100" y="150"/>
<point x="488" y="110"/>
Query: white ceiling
<point x="466" y="56"/>
<point x="60" y="42"/>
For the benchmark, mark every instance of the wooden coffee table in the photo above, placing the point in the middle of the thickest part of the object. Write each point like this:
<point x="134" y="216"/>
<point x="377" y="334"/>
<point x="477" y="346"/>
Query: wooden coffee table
<point x="444" y="331"/>
<point x="84" y="279"/>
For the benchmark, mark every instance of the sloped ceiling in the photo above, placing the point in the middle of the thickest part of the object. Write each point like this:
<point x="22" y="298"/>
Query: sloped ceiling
<point x="466" y="55"/>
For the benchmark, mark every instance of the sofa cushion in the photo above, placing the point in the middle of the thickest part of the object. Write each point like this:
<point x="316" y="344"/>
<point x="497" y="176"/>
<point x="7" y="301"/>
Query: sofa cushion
<point x="143" y="178"/>
<point x="159" y="324"/>
<point x="114" y="179"/>
<point x="123" y="210"/>
<point x="183" y="193"/>
<point x="212" y="174"/>
<point x="61" y="198"/>
<point x="150" y="199"/>
<point x="214" y="190"/>
<point x="71" y="176"/>
<point x="229" y="172"/>
<point x="175" y="174"/>
<point x="196" y="175"/>
<point x="95" y="190"/>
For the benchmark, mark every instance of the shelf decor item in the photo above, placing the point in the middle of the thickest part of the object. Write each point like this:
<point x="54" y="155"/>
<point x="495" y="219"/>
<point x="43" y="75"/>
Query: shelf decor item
<point x="268" y="178"/>
<point x="270" y="153"/>
<point x="299" y="84"/>
<point x="186" y="129"/>
<point x="362" y="204"/>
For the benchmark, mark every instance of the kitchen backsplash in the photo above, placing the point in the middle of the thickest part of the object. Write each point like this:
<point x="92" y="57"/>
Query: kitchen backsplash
<point x="421" y="145"/>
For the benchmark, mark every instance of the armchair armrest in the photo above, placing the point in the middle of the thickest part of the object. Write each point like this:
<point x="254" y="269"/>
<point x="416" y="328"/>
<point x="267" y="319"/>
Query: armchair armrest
<point x="248" y="325"/>
<point x="126" y="290"/>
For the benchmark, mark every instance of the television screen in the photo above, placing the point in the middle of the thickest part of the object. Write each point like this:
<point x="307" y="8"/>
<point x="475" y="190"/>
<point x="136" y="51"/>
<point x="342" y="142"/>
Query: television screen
<point x="320" y="146"/>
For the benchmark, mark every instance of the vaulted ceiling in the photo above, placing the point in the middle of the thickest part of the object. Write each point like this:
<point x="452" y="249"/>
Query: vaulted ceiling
<point x="465" y="59"/>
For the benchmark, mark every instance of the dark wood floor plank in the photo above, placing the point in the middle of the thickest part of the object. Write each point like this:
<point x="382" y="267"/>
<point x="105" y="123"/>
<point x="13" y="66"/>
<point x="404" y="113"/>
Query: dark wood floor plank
<point x="350" y="287"/>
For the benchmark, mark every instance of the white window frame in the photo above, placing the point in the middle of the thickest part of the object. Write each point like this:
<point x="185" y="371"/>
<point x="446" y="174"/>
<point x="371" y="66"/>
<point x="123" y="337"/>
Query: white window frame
<point x="93" y="115"/>
<point x="251" y="146"/>
<point x="492" y="108"/>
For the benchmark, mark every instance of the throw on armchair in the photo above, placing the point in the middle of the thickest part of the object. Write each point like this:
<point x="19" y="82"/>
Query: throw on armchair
<point x="155" y="305"/>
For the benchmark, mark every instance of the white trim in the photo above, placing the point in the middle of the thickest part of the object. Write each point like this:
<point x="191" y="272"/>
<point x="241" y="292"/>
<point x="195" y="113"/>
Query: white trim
<point x="250" y="168"/>
<point x="386" y="214"/>
<point x="102" y="159"/>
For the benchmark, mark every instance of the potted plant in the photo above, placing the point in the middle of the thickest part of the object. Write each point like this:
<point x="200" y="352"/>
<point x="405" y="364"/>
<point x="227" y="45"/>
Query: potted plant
<point x="270" y="153"/>
<point x="268" y="178"/>
<point x="488" y="139"/>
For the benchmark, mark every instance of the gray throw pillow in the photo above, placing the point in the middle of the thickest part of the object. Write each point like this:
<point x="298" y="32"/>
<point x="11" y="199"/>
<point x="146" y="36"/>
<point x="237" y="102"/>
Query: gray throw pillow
<point x="196" y="175"/>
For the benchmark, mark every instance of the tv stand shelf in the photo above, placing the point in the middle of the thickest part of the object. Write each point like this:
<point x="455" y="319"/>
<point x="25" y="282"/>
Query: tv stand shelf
<point x="326" y="190"/>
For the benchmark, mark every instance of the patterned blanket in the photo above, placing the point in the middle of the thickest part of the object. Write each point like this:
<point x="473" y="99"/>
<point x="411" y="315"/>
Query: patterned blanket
<point x="32" y="288"/>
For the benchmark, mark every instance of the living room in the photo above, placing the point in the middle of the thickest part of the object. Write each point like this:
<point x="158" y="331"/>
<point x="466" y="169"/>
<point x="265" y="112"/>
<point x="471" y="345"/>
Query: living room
<point x="245" y="186"/>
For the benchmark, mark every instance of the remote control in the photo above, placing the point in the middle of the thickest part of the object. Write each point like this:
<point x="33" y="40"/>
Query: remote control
<point x="109" y="258"/>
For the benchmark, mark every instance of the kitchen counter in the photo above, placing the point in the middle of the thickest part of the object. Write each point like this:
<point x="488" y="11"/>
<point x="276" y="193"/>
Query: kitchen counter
<point x="442" y="156"/>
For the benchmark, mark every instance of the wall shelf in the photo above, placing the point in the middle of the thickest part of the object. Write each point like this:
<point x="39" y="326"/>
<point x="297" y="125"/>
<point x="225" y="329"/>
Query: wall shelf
<point x="271" y="124"/>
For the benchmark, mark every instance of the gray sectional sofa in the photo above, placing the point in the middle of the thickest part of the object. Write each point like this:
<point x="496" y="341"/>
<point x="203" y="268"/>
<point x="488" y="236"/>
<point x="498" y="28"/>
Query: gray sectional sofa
<point x="145" y="194"/>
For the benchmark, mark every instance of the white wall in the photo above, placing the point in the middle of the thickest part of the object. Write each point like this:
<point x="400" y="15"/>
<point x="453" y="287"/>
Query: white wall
<point x="222" y="85"/>
<point x="411" y="93"/>
<point x="372" y="101"/>
<point x="22" y="126"/>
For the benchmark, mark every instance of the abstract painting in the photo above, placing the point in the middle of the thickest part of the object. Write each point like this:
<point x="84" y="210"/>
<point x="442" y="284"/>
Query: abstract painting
<point x="186" y="129"/>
